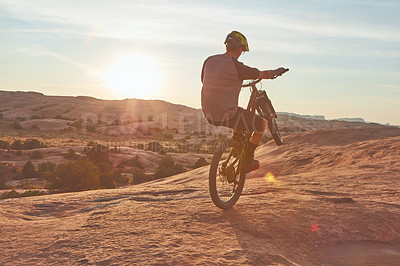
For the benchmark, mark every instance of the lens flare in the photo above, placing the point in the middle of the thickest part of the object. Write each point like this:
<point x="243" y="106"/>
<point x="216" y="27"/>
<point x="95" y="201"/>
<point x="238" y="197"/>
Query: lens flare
<point x="270" y="178"/>
<point x="314" y="228"/>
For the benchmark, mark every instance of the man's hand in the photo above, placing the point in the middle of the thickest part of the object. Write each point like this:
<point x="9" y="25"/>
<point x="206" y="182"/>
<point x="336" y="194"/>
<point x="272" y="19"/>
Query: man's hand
<point x="271" y="74"/>
<point x="280" y="71"/>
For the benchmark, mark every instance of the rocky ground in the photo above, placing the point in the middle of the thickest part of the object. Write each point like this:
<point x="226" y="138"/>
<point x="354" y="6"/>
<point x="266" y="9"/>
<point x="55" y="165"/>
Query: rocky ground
<point x="329" y="197"/>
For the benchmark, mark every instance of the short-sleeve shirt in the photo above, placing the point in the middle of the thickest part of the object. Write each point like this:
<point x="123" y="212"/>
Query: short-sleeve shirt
<point x="222" y="76"/>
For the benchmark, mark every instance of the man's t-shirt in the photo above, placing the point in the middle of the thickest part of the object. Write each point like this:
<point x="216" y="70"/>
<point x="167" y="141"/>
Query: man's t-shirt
<point x="222" y="77"/>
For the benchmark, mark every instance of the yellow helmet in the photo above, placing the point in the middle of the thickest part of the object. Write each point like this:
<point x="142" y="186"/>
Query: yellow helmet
<point x="237" y="39"/>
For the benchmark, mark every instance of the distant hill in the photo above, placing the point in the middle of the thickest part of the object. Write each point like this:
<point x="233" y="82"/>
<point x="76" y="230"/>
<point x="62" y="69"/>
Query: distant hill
<point x="37" y="111"/>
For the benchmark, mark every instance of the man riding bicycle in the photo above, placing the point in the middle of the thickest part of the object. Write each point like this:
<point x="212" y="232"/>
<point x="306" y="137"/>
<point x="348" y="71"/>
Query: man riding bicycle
<point x="222" y="76"/>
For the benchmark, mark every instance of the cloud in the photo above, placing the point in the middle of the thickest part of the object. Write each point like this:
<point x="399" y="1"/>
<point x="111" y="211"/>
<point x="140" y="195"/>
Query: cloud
<point x="176" y="21"/>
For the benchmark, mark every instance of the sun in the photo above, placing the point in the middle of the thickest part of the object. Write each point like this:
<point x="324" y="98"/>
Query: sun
<point x="134" y="76"/>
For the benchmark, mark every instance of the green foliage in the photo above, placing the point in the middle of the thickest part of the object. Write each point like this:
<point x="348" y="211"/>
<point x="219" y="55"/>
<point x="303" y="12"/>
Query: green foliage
<point x="154" y="146"/>
<point x="17" y="145"/>
<point x="35" y="117"/>
<point x="120" y="179"/>
<point x="15" y="194"/>
<point x="167" y="167"/>
<point x="29" y="170"/>
<point x="141" y="177"/>
<point x="98" y="153"/>
<point x="75" y="176"/>
<point x="46" y="166"/>
<point x="10" y="194"/>
<point x="46" y="169"/>
<point x="71" y="155"/>
<point x="4" y="144"/>
<point x="136" y="163"/>
<point x="2" y="181"/>
<point x="106" y="176"/>
<point x="29" y="144"/>
<point x="200" y="162"/>
<point x="36" y="154"/>
<point x="133" y="162"/>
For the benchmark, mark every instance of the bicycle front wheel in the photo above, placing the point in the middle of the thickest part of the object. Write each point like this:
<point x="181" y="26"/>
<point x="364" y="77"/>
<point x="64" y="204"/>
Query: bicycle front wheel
<point x="226" y="180"/>
<point x="273" y="128"/>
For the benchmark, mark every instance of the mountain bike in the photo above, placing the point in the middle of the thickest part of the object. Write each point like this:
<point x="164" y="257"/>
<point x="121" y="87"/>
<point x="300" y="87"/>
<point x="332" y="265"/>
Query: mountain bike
<point x="226" y="176"/>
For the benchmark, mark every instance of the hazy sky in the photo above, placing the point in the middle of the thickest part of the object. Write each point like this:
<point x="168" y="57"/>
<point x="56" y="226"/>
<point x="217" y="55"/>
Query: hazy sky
<point x="343" y="55"/>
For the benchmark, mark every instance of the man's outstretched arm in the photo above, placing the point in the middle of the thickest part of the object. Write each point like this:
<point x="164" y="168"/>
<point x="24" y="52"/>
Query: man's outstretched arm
<point x="271" y="74"/>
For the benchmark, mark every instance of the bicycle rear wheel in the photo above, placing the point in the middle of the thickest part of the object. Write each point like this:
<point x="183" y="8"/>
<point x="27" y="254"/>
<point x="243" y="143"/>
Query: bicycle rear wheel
<point x="226" y="180"/>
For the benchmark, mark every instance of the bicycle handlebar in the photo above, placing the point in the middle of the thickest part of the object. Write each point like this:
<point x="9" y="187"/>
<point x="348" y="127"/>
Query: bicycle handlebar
<point x="250" y="84"/>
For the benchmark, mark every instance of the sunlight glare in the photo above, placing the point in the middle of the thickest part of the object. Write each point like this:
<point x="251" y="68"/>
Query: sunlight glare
<point x="270" y="178"/>
<point x="134" y="76"/>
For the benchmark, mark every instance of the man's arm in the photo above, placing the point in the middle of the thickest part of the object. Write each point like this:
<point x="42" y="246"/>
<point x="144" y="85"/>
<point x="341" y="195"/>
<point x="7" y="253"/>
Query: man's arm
<point x="271" y="74"/>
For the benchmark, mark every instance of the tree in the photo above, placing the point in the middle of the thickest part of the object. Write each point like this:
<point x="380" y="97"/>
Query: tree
<point x="31" y="144"/>
<point x="46" y="169"/>
<point x="167" y="167"/>
<point x="29" y="170"/>
<point x="99" y="154"/>
<point x="106" y="176"/>
<point x="17" y="145"/>
<point x="71" y="155"/>
<point x="140" y="177"/>
<point x="75" y="176"/>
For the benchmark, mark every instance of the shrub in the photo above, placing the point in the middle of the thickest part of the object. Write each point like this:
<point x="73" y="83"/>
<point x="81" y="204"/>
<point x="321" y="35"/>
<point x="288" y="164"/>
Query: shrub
<point x="135" y="162"/>
<point x="98" y="153"/>
<point x="75" y="176"/>
<point x="154" y="146"/>
<point x="200" y="162"/>
<point x="141" y="177"/>
<point x="35" y="116"/>
<point x="121" y="179"/>
<point x="36" y="154"/>
<point x="46" y="169"/>
<point x="71" y="155"/>
<point x="2" y="181"/>
<point x="17" y="145"/>
<point x="15" y="194"/>
<point x="167" y="167"/>
<point x="29" y="170"/>
<point x="10" y="194"/>
<point x="29" y="144"/>
<point x="106" y="176"/>
<point x="4" y="144"/>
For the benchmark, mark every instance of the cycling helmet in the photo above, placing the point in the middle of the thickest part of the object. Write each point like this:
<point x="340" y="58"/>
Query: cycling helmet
<point x="237" y="39"/>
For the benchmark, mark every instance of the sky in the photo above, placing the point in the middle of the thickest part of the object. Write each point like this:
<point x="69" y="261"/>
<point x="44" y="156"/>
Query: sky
<point x="343" y="55"/>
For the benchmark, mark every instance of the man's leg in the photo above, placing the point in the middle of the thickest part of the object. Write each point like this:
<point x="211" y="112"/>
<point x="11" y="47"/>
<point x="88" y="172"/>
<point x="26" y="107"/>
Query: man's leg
<point x="256" y="137"/>
<point x="255" y="140"/>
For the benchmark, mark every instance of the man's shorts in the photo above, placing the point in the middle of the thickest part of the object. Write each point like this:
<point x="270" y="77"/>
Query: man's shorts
<point x="243" y="120"/>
